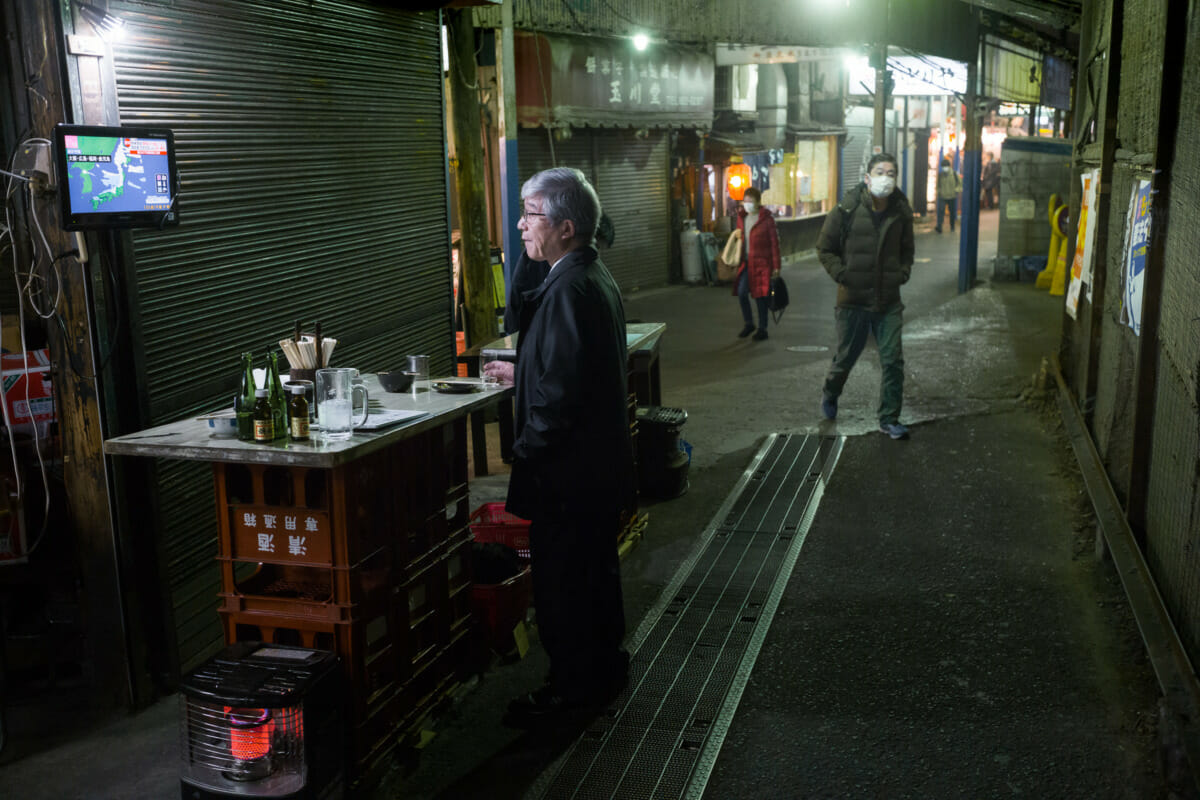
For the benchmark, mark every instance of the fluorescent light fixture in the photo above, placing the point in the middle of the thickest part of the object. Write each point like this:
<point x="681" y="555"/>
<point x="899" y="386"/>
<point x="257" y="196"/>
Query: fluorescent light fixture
<point x="110" y="27"/>
<point x="641" y="41"/>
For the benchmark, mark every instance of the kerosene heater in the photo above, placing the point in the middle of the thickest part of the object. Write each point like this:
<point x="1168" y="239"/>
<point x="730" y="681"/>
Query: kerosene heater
<point x="263" y="720"/>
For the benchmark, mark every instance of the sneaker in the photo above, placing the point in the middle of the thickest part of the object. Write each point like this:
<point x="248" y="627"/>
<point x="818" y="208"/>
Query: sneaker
<point x="746" y="331"/>
<point x="760" y="335"/>
<point x="829" y="407"/>
<point x="894" y="430"/>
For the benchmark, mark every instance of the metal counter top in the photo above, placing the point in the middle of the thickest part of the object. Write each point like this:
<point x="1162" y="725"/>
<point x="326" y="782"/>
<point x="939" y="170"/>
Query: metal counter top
<point x="191" y="439"/>
<point x="638" y="336"/>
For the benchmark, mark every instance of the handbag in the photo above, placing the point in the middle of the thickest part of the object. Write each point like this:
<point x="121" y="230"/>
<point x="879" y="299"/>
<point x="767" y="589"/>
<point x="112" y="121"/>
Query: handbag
<point x="777" y="301"/>
<point x="732" y="254"/>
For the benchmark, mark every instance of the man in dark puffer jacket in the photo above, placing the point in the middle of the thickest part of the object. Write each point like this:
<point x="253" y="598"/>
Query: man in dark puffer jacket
<point x="866" y="246"/>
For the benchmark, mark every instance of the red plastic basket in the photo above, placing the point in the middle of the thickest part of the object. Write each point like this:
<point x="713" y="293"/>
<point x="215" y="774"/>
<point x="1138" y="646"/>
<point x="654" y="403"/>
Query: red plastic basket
<point x="491" y="523"/>
<point x="500" y="606"/>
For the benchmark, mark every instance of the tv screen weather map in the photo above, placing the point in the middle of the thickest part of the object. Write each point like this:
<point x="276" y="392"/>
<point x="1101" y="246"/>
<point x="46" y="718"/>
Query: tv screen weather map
<point x="113" y="174"/>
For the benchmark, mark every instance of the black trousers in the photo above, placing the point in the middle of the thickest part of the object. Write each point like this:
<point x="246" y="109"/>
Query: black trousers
<point x="577" y="595"/>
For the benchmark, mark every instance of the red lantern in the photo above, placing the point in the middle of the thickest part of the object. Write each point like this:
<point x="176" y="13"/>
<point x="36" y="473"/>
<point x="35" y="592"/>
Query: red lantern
<point x="738" y="180"/>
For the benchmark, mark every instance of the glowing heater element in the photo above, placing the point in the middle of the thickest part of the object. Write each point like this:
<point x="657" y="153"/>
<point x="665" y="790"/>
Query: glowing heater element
<point x="250" y="732"/>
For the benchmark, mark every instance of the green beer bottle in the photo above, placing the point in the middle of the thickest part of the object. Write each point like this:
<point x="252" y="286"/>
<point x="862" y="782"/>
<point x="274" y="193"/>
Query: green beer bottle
<point x="276" y="397"/>
<point x="245" y="400"/>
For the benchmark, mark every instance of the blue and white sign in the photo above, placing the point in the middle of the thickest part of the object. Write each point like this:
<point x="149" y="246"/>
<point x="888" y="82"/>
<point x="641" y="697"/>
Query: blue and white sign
<point x="1137" y="245"/>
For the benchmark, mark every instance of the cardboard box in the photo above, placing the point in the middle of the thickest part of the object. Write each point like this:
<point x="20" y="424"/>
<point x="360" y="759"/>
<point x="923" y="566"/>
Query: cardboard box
<point x="28" y="395"/>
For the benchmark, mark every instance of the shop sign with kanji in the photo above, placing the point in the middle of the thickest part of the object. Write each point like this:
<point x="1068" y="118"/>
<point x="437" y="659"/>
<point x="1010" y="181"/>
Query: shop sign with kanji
<point x="281" y="535"/>
<point x="590" y="81"/>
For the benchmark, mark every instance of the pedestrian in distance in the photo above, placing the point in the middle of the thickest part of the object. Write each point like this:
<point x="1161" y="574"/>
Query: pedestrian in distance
<point x="572" y="470"/>
<point x="759" y="264"/>
<point x="948" y="187"/>
<point x="990" y="182"/>
<point x="866" y="246"/>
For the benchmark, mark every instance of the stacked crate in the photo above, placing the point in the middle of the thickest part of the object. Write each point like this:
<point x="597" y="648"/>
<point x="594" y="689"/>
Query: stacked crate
<point x="370" y="560"/>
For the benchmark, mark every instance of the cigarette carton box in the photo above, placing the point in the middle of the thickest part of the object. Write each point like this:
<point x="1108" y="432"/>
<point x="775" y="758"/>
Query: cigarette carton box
<point x="28" y="395"/>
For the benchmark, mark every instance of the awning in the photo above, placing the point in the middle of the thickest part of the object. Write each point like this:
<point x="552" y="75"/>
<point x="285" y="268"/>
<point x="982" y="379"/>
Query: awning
<point x="815" y="129"/>
<point x="590" y="81"/>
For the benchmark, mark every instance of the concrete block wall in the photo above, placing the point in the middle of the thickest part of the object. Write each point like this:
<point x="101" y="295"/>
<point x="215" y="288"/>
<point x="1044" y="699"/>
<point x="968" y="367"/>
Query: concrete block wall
<point x="1172" y="544"/>
<point x="1173" y="505"/>
<point x="1031" y="169"/>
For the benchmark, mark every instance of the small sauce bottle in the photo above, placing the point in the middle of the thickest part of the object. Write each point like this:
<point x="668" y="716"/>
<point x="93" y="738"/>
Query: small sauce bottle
<point x="298" y="414"/>
<point x="264" y="419"/>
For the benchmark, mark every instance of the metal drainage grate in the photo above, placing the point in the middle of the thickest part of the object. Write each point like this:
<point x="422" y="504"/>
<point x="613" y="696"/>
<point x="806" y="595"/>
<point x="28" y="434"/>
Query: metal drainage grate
<point x="693" y="653"/>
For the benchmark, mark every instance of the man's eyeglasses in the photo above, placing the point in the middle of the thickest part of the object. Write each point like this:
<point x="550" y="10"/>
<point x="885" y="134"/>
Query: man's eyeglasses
<point x="525" y="214"/>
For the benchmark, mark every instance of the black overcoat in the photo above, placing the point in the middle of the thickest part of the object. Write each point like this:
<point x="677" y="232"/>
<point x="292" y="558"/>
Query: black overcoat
<point x="572" y="448"/>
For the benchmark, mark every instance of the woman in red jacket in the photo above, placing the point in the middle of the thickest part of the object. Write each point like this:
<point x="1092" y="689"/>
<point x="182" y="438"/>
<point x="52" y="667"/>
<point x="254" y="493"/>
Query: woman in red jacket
<point x="760" y="261"/>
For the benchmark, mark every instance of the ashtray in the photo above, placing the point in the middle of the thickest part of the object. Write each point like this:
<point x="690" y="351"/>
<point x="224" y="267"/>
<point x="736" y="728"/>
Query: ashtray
<point x="454" y="387"/>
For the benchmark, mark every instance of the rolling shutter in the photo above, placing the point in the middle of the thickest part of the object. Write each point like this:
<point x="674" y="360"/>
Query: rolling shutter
<point x="634" y="185"/>
<point x="630" y="174"/>
<point x="310" y="139"/>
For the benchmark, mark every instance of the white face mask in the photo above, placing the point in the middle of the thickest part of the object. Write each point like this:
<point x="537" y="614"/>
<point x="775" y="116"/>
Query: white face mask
<point x="882" y="185"/>
<point x="750" y="206"/>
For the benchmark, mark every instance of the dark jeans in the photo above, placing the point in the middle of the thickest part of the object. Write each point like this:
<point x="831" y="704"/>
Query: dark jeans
<point x="743" y="293"/>
<point x="853" y="326"/>
<point x="577" y="596"/>
<point x="942" y="205"/>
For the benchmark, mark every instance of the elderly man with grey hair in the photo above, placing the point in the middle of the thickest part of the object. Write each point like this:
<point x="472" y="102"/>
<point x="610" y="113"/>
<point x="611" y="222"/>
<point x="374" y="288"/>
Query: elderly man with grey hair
<point x="572" y="473"/>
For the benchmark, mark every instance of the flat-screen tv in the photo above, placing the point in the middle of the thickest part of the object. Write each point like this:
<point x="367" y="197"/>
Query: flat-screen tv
<point x="116" y="177"/>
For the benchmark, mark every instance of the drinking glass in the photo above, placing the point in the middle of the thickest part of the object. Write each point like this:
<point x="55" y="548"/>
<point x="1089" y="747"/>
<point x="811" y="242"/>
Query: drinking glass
<point x="487" y="381"/>
<point x="419" y="366"/>
<point x="335" y="403"/>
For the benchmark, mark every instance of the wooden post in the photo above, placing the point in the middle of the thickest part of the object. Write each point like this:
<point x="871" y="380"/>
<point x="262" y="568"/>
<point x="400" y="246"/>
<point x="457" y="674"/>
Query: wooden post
<point x="472" y="203"/>
<point x="77" y="388"/>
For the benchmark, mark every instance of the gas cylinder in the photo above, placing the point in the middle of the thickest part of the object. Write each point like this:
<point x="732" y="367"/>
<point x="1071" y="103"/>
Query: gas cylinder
<point x="689" y="248"/>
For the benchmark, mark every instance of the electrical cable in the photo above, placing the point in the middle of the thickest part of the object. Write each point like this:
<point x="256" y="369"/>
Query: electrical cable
<point x="113" y="285"/>
<point x="574" y="18"/>
<point x="26" y="291"/>
<point x="537" y="50"/>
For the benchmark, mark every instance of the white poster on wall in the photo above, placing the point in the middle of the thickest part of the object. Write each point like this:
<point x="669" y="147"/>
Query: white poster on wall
<point x="1081" y="264"/>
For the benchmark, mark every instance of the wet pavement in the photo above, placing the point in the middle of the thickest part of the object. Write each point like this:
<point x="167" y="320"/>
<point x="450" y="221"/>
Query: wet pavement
<point x="945" y="631"/>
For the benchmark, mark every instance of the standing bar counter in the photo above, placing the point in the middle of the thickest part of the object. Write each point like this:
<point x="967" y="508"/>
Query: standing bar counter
<point x="645" y="383"/>
<point x="362" y="546"/>
<point x="359" y="546"/>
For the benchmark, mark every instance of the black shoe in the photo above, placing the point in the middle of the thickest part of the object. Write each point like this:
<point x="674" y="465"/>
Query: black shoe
<point x="760" y="335"/>
<point x="937" y="230"/>
<point x="545" y="706"/>
<point x="746" y="331"/>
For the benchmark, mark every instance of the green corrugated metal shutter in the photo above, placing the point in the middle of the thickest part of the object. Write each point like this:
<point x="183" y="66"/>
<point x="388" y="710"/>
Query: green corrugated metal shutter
<point x="310" y="141"/>
<point x="631" y="176"/>
<point x="634" y="184"/>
